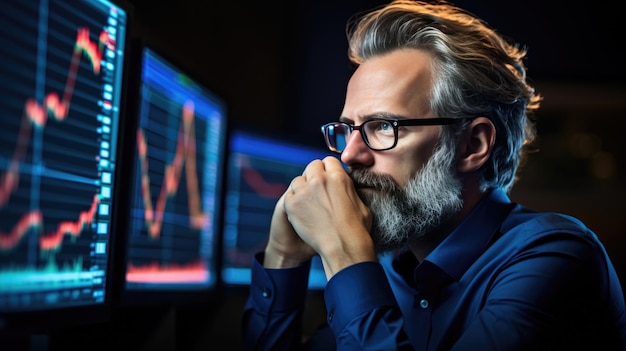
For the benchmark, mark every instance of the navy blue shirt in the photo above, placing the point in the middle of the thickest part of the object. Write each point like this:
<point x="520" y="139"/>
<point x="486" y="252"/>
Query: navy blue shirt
<point x="505" y="279"/>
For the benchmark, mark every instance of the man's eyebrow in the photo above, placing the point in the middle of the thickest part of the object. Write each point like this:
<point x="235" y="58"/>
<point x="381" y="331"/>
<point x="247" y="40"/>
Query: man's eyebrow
<point x="346" y="120"/>
<point x="384" y="115"/>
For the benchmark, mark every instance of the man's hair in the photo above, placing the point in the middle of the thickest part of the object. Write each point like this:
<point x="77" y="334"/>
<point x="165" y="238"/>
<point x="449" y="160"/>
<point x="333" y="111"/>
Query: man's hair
<point x="477" y="72"/>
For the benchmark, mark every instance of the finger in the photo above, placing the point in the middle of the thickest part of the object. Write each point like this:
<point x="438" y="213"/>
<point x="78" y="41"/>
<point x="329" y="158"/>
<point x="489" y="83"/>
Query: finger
<point x="290" y="188"/>
<point x="313" y="167"/>
<point x="295" y="182"/>
<point x="332" y="164"/>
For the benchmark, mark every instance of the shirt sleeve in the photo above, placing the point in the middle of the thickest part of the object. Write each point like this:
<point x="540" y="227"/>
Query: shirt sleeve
<point x="362" y="310"/>
<point x="272" y="315"/>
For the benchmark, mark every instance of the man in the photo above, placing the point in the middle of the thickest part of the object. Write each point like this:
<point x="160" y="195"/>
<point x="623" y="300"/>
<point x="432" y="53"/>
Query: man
<point x="421" y="245"/>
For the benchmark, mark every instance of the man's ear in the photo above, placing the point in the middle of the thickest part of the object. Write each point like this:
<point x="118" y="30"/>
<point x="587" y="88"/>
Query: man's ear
<point x="476" y="144"/>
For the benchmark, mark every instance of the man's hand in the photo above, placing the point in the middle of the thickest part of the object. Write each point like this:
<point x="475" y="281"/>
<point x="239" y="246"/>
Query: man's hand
<point x="326" y="212"/>
<point x="284" y="248"/>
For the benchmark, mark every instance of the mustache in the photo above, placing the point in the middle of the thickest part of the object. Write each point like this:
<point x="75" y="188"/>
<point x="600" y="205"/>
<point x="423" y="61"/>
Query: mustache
<point x="363" y="178"/>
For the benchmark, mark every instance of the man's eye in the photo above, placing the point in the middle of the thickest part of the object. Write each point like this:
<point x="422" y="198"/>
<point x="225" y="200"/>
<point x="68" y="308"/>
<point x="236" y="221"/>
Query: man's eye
<point x="386" y="126"/>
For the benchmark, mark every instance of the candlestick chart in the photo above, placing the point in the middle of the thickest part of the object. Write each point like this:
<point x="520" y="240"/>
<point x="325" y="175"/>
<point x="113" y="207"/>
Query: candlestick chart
<point x="60" y="87"/>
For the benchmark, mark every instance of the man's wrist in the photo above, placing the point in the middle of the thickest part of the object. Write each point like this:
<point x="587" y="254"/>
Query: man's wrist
<point x="272" y="259"/>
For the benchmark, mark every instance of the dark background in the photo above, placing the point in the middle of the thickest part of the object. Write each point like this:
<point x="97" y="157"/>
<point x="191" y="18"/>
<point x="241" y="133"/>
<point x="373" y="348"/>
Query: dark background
<point x="282" y="67"/>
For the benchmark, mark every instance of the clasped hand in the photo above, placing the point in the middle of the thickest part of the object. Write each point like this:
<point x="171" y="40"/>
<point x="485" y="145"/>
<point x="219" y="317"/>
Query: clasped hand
<point x="321" y="213"/>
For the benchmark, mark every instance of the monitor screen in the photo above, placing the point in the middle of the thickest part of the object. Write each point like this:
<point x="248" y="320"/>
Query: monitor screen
<point x="259" y="170"/>
<point x="60" y="98"/>
<point x="175" y="187"/>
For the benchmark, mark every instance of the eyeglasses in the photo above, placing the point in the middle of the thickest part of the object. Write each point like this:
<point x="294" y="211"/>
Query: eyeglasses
<point x="379" y="134"/>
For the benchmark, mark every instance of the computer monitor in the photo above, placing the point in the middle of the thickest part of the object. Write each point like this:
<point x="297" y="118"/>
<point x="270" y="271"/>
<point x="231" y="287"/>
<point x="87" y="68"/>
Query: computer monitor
<point x="259" y="169"/>
<point x="61" y="95"/>
<point x="174" y="198"/>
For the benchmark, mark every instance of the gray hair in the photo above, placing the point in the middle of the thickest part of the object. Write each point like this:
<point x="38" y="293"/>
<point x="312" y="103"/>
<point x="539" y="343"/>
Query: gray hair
<point x="477" y="72"/>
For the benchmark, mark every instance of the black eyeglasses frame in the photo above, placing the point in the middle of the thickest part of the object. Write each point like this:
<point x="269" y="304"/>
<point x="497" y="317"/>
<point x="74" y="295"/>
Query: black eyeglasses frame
<point x="395" y="123"/>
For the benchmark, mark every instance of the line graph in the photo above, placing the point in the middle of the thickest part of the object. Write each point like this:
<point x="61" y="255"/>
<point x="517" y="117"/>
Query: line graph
<point x="168" y="198"/>
<point x="176" y="183"/>
<point x="257" y="182"/>
<point x="170" y="269"/>
<point x="185" y="155"/>
<point x="49" y="241"/>
<point x="36" y="114"/>
<point x="61" y="102"/>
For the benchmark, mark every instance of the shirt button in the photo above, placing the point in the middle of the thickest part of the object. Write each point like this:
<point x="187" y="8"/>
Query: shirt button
<point x="266" y="292"/>
<point x="330" y="316"/>
<point x="424" y="303"/>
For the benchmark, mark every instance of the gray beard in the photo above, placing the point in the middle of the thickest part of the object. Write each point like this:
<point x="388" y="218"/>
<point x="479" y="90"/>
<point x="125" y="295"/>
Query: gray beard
<point x="406" y="215"/>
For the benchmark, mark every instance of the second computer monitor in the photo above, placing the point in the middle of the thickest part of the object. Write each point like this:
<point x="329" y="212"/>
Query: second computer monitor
<point x="175" y="195"/>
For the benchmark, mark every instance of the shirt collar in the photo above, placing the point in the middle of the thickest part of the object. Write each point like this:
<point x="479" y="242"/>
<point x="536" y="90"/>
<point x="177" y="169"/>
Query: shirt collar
<point x="456" y="253"/>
